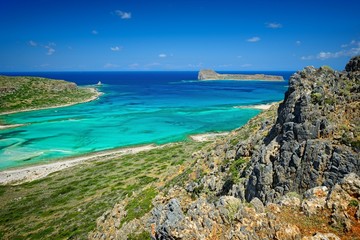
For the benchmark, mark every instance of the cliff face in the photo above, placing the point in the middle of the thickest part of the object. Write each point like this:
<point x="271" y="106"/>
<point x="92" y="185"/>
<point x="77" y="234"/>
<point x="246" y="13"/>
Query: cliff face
<point x="290" y="175"/>
<point x="212" y="75"/>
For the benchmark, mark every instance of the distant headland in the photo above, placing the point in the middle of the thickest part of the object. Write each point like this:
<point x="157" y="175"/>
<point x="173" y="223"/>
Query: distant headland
<point x="207" y="74"/>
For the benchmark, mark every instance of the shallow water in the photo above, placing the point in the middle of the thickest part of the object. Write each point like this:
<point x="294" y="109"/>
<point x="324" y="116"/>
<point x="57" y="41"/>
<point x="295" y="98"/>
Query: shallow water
<point x="136" y="108"/>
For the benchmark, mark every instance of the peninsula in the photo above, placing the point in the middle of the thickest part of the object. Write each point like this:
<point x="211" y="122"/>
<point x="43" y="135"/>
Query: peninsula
<point x="18" y="94"/>
<point x="207" y="74"/>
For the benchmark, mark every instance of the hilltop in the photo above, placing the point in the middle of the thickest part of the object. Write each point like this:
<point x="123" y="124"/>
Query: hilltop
<point x="28" y="93"/>
<point x="207" y="75"/>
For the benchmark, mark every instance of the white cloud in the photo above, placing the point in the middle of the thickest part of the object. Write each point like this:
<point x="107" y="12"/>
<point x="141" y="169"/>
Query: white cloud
<point x="94" y="32"/>
<point x="32" y="43"/>
<point x="253" y="39"/>
<point x="298" y="43"/>
<point x="50" y="48"/>
<point x="307" y="57"/>
<point x="225" y="65"/>
<point x="116" y="48"/>
<point x="246" y="65"/>
<point x="162" y="55"/>
<point x="199" y="65"/>
<point x="134" y="65"/>
<point x="111" y="65"/>
<point x="273" y="25"/>
<point x="348" y="50"/>
<point x="123" y="15"/>
<point x="352" y="43"/>
<point x="154" y="64"/>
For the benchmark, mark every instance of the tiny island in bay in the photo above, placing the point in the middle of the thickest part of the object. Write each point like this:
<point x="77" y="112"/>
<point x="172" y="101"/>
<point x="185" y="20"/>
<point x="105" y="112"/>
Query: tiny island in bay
<point x="207" y="74"/>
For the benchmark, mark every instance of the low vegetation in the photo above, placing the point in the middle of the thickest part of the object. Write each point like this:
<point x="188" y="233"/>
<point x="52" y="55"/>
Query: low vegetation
<point x="66" y="204"/>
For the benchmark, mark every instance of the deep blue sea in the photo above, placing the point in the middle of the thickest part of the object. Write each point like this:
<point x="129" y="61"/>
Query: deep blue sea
<point x="136" y="108"/>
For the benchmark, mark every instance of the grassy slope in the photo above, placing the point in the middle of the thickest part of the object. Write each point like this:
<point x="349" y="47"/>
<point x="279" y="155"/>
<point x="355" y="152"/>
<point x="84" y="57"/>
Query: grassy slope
<point x="66" y="204"/>
<point x="20" y="93"/>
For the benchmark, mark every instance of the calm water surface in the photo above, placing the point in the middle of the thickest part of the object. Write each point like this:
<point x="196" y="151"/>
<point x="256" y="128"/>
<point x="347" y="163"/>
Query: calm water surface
<point x="136" y="108"/>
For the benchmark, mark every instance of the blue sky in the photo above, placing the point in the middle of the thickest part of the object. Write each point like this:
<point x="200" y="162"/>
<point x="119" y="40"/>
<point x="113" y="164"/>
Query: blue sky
<point x="123" y="35"/>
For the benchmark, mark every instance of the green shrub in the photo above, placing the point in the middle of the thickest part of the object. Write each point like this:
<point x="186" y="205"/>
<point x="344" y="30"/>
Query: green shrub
<point x="316" y="97"/>
<point x="141" y="236"/>
<point x="235" y="168"/>
<point x="327" y="68"/>
<point x="137" y="207"/>
<point x="353" y="203"/>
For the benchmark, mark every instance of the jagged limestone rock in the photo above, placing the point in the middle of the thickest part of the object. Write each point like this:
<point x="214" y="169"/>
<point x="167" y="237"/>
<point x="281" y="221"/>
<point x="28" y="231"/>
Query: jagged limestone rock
<point x="301" y="151"/>
<point x="353" y="65"/>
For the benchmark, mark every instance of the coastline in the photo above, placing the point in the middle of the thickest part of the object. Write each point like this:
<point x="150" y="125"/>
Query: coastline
<point x="93" y="98"/>
<point x="19" y="175"/>
<point x="258" y="106"/>
<point x="204" y="137"/>
<point x="35" y="172"/>
<point x="30" y="173"/>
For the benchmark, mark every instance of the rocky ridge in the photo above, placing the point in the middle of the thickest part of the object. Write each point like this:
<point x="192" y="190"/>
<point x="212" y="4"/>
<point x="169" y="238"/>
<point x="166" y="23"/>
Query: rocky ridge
<point x="290" y="175"/>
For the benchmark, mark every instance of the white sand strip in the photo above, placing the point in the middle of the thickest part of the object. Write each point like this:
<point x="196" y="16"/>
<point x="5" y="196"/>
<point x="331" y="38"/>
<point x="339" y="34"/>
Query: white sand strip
<point x="258" y="106"/>
<point x="31" y="173"/>
<point x="10" y="126"/>
<point x="207" y="136"/>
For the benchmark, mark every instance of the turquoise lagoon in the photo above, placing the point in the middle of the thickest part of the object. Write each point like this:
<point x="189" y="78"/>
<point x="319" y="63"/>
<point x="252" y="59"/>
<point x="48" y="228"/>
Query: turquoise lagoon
<point x="136" y="108"/>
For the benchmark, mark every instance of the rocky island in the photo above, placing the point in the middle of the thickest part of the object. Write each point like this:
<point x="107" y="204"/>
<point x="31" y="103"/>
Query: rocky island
<point x="207" y="74"/>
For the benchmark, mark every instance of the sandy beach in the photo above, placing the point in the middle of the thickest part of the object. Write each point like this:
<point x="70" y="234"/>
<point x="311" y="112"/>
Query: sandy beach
<point x="207" y="136"/>
<point x="34" y="172"/>
<point x="259" y="106"/>
<point x="31" y="173"/>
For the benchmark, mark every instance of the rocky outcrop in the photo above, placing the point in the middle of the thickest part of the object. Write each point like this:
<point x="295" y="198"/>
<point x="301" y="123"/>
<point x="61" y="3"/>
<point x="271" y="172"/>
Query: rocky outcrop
<point x="289" y="218"/>
<point x="207" y="74"/>
<point x="315" y="139"/>
<point x="353" y="65"/>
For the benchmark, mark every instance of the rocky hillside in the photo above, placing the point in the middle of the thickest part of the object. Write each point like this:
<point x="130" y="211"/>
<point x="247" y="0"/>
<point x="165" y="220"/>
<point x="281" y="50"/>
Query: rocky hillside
<point x="290" y="175"/>
<point x="21" y="93"/>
